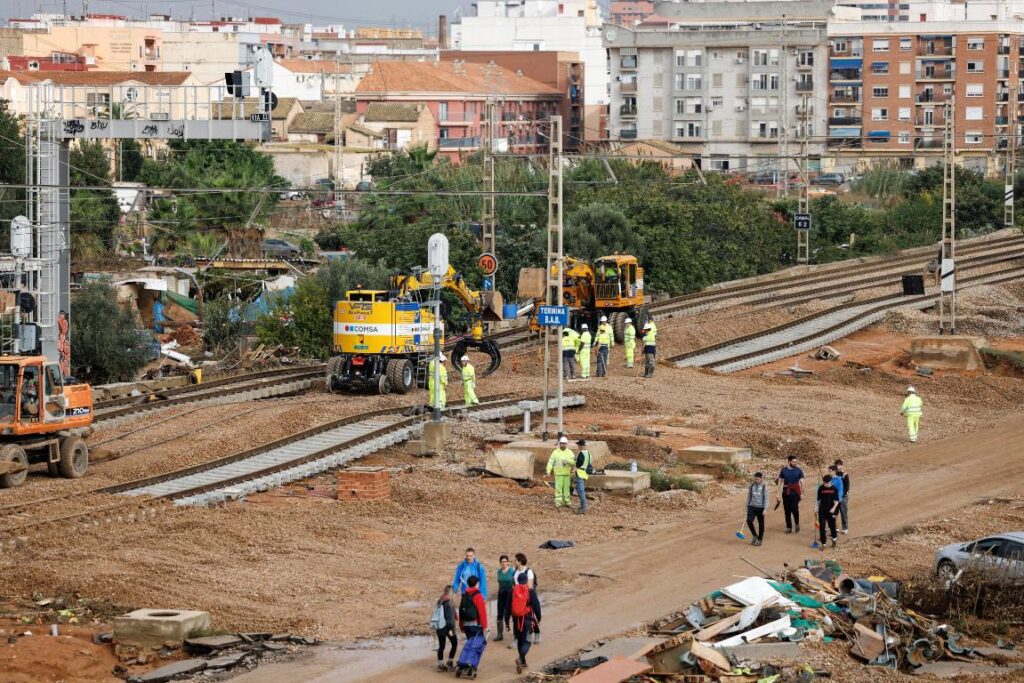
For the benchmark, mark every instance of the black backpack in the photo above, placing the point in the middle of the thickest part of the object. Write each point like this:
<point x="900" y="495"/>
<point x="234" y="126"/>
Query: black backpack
<point x="467" y="609"/>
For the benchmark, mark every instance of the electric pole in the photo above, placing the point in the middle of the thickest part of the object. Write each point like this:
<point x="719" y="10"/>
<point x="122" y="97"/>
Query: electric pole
<point x="489" y="230"/>
<point x="803" y="234"/>
<point x="947" y="267"/>
<point x="1011" y="160"/>
<point x="339" y="171"/>
<point x="784" y="118"/>
<point x="553" y="273"/>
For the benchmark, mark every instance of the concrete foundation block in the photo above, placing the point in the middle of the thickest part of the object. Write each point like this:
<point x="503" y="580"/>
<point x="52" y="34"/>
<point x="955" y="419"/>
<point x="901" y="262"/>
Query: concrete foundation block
<point x="599" y="452"/>
<point x="510" y="462"/>
<point x="416" y="447"/>
<point x="435" y="434"/>
<point x="714" y="455"/>
<point x="620" y="481"/>
<point x="947" y="352"/>
<point x="159" y="627"/>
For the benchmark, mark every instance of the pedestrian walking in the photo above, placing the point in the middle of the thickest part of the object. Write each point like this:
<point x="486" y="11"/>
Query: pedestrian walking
<point x="443" y="623"/>
<point x="468" y="568"/>
<point x="757" y="503"/>
<point x="791" y="491"/>
<point x="560" y="463"/>
<point x="605" y="341"/>
<point x="473" y="622"/>
<point x="438" y="395"/>
<point x="569" y="342"/>
<point x="650" y="346"/>
<point x="584" y="468"/>
<point x="911" y="409"/>
<point x="827" y="503"/>
<point x="844" y="500"/>
<point x="629" y="341"/>
<point x="523" y="568"/>
<point x="506" y="581"/>
<point x="583" y="351"/>
<point x="469" y="383"/>
<point x="525" y="614"/>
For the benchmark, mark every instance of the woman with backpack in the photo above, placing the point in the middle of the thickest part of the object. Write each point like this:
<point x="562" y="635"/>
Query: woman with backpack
<point x="525" y="615"/>
<point x="523" y="569"/>
<point x="506" y="581"/>
<point x="443" y="623"/>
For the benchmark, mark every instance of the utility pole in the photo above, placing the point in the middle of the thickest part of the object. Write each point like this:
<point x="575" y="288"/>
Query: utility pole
<point x="555" y="264"/>
<point x="947" y="267"/>
<point x="339" y="171"/>
<point x="1011" y="160"/>
<point x="803" y="236"/>
<point x="489" y="229"/>
<point x="784" y="118"/>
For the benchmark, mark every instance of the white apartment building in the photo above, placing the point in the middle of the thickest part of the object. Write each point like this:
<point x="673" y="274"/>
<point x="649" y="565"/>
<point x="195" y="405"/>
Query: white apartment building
<point x="545" y="25"/>
<point x="735" y="85"/>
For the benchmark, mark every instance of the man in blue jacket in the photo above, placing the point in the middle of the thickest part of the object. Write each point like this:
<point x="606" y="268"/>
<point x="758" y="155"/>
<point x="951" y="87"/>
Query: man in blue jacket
<point x="467" y="568"/>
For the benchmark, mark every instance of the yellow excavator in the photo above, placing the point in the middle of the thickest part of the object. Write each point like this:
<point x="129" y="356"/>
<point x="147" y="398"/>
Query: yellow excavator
<point x="384" y="338"/>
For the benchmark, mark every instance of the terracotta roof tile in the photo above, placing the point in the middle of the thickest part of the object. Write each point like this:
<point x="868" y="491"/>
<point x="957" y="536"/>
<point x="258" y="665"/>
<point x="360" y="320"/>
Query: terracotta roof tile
<point x="452" y="76"/>
<point x="314" y="66"/>
<point x="278" y="113"/>
<point x="99" y="78"/>
<point x="388" y="112"/>
<point x="315" y="122"/>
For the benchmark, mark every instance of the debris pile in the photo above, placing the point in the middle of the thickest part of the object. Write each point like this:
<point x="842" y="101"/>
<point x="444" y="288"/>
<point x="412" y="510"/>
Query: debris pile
<point x="751" y="631"/>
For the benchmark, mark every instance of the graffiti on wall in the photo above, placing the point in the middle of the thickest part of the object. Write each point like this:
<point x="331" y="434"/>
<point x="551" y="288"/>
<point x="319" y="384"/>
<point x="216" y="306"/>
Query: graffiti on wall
<point x="64" y="343"/>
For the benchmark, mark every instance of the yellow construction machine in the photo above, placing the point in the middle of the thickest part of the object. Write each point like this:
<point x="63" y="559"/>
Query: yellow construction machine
<point x="611" y="286"/>
<point x="384" y="338"/>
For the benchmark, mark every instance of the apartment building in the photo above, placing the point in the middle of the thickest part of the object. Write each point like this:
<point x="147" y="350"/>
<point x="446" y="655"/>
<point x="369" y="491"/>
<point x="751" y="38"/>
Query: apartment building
<point x="629" y="12"/>
<point x="734" y="85"/>
<point x="889" y="88"/>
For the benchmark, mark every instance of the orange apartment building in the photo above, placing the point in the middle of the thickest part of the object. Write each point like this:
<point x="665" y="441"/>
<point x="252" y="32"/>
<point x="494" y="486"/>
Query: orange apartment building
<point x="888" y="91"/>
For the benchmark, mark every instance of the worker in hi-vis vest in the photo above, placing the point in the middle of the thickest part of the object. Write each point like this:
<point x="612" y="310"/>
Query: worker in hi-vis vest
<point x="583" y="352"/>
<point x="439" y="397"/>
<point x="911" y="409"/>
<point x="468" y="382"/>
<point x="629" y="341"/>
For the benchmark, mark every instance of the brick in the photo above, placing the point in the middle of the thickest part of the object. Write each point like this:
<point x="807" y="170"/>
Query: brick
<point x="364" y="483"/>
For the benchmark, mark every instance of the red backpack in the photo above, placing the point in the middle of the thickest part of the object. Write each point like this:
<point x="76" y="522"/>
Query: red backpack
<point x="520" y="601"/>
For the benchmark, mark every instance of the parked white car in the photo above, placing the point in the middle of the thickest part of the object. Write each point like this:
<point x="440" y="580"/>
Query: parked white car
<point x="1002" y="554"/>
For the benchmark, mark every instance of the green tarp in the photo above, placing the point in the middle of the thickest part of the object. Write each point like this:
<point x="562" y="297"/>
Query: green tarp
<point x="191" y="305"/>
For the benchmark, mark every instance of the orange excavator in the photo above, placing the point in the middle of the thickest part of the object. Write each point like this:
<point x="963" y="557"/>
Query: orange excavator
<point x="42" y="419"/>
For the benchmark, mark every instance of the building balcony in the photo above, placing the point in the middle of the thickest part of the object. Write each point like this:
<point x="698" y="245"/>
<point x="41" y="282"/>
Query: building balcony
<point x="840" y="75"/>
<point x="804" y="67"/>
<point x="846" y="98"/>
<point x="764" y="136"/>
<point x="1002" y="120"/>
<point x="1002" y="97"/>
<point x="847" y="54"/>
<point x="461" y="118"/>
<point x="844" y="120"/>
<point x="628" y="63"/>
<point x="932" y="50"/>
<point x="927" y="143"/>
<point x="936" y="75"/>
<point x="459" y="143"/>
<point x="1004" y="49"/>
<point x="1003" y="74"/>
<point x="929" y="97"/>
<point x="934" y="122"/>
<point x="627" y="134"/>
<point x="804" y="86"/>
<point x="627" y="87"/>
<point x="627" y="110"/>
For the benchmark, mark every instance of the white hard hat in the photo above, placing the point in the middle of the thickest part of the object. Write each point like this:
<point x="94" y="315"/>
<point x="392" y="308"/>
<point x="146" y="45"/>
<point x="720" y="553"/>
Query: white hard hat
<point x="647" y="326"/>
<point x="584" y="326"/>
<point x="629" y="320"/>
<point x="604" y="318"/>
<point x="563" y="440"/>
<point x="911" y="390"/>
<point x="464" y="359"/>
<point x="442" y="358"/>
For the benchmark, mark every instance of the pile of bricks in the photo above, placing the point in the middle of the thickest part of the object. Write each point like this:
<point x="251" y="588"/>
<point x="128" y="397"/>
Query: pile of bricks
<point x="364" y="483"/>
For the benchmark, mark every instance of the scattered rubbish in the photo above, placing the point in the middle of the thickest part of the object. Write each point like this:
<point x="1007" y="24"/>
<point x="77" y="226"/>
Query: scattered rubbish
<point x="826" y="353"/>
<point x="614" y="670"/>
<point x="571" y="666"/>
<point x="925" y="371"/>
<point x="556" y="545"/>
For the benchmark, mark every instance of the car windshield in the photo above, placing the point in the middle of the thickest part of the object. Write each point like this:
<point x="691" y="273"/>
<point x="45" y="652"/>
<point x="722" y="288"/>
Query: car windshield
<point x="8" y="390"/>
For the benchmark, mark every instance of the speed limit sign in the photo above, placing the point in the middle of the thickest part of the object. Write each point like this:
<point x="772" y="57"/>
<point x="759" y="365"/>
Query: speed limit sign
<point x="487" y="263"/>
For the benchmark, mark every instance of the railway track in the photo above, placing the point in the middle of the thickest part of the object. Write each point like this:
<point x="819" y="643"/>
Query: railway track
<point x="823" y="327"/>
<point x="294" y="457"/>
<point x="270" y="383"/>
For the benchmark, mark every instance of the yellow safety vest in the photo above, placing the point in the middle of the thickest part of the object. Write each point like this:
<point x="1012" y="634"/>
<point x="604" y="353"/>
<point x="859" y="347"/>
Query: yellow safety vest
<point x="605" y="336"/>
<point x="912" y="405"/>
<point x="629" y="335"/>
<point x="468" y="373"/>
<point x="561" y="461"/>
<point x="568" y="342"/>
<point x="649" y="338"/>
<point x="585" y="339"/>
<point x="581" y="472"/>
<point x="430" y="375"/>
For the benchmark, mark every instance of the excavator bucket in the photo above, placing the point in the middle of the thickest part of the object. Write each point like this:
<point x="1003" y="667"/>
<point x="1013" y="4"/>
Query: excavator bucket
<point x="531" y="283"/>
<point x="491" y="306"/>
<point x="485" y="346"/>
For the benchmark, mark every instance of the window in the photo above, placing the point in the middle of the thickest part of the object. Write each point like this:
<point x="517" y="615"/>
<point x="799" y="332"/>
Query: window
<point x="773" y="81"/>
<point x="973" y="137"/>
<point x="975" y="43"/>
<point x="716" y="80"/>
<point x="694" y="105"/>
<point x="904" y="114"/>
<point x="719" y="163"/>
<point x="975" y="89"/>
<point x="716" y="102"/>
<point x="975" y="67"/>
<point x="880" y="114"/>
<point x="680" y="81"/>
<point x="680" y="106"/>
<point x="906" y="45"/>
<point x="987" y="546"/>
<point x="840" y="46"/>
<point x="444" y="134"/>
<point x="975" y="113"/>
<point x="773" y="57"/>
<point x="693" y="130"/>
<point x="903" y="137"/>
<point x="879" y="45"/>
<point x="681" y="58"/>
<point x="694" y="82"/>
<point x="1013" y="551"/>
<point x="694" y="58"/>
<point x="904" y="68"/>
<point x="880" y="67"/>
<point x="929" y="117"/>
<point x="741" y="57"/>
<point x="760" y="58"/>
<point x="880" y="92"/>
<point x="904" y="92"/>
<point x="442" y="111"/>
<point x="806" y="58"/>
<point x="716" y="128"/>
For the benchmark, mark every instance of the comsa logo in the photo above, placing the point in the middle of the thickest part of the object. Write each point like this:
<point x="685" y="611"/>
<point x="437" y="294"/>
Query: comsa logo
<point x="360" y="329"/>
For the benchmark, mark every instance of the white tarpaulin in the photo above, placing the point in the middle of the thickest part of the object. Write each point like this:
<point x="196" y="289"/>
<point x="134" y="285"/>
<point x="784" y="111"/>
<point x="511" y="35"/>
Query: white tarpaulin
<point x="755" y="590"/>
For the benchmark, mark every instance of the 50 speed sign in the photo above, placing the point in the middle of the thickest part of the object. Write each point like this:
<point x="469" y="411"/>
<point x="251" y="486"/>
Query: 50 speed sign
<point x="487" y="263"/>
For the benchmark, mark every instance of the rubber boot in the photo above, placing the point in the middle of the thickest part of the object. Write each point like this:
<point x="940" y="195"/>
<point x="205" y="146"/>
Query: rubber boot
<point x="501" y="632"/>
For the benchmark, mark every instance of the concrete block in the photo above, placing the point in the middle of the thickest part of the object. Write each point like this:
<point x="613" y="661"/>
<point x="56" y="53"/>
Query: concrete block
<point x="174" y="670"/>
<point x="212" y="643"/>
<point x="416" y="447"/>
<point x="714" y="455"/>
<point x="764" y="651"/>
<point x="947" y="352"/>
<point x="510" y="462"/>
<point x="620" y="481"/>
<point x="435" y="434"/>
<point x="599" y="452"/>
<point x="158" y="627"/>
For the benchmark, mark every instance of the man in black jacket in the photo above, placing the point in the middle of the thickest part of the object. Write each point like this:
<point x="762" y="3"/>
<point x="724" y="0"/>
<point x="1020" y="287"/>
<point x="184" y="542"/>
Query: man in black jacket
<point x="844" y="503"/>
<point x="828" y="503"/>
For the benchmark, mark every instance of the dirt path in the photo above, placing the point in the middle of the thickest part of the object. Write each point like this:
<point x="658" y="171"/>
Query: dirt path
<point x="652" y="574"/>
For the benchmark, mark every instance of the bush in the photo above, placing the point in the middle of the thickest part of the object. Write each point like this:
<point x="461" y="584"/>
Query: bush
<point x="105" y="344"/>
<point x="659" y="480"/>
<point x="221" y="331"/>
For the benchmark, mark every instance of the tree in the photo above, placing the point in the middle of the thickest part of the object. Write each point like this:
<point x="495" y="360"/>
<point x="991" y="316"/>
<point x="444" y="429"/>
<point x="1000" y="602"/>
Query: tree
<point x="222" y="328"/>
<point x="12" y="167"/>
<point x="94" y="213"/>
<point x="130" y="161"/>
<point x="305" y="320"/>
<point x="599" y="229"/>
<point x="106" y="346"/>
